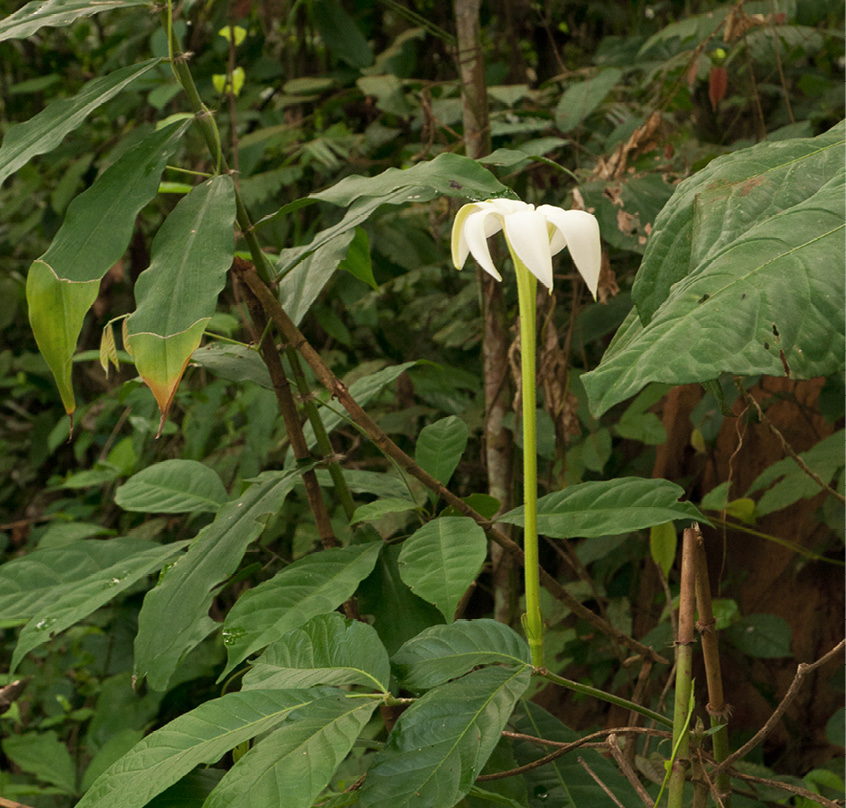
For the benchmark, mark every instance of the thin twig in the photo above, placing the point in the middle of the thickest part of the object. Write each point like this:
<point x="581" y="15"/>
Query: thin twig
<point x="788" y="449"/>
<point x="628" y="772"/>
<point x="802" y="672"/>
<point x="817" y="799"/>
<point x="583" y="763"/>
<point x="4" y="803"/>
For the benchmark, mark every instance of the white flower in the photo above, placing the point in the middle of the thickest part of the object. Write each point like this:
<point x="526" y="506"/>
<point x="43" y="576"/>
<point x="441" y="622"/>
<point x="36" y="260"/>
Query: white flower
<point x="534" y="235"/>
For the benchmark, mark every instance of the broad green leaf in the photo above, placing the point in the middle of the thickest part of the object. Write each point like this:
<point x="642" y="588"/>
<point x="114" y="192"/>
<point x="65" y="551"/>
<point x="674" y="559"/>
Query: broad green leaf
<point x="189" y="792"/>
<point x="440" y="446"/>
<point x="581" y="99"/>
<point x="835" y="728"/>
<point x="376" y="510"/>
<point x="398" y="614"/>
<point x="564" y="782"/>
<point x="235" y="363"/>
<point x="312" y="585"/>
<point x="46" y="130"/>
<point x="174" y="617"/>
<point x="441" y="559"/>
<point x="70" y="604"/>
<point x="763" y="636"/>
<point x="441" y="653"/>
<point x="720" y="204"/>
<point x="448" y="174"/>
<point x="326" y="650"/>
<point x="662" y="545"/>
<point x="339" y="33"/>
<point x="64" y="282"/>
<point x="768" y="303"/>
<point x="358" y="262"/>
<point x="379" y="483"/>
<point x="608" y="507"/>
<point x="30" y="583"/>
<point x="440" y="744"/>
<point x="173" y="486"/>
<point x="43" y="755"/>
<point x="56" y="13"/>
<point x="201" y="736"/>
<point x="300" y="287"/>
<point x="177" y="294"/>
<point x="785" y="482"/>
<point x="292" y="765"/>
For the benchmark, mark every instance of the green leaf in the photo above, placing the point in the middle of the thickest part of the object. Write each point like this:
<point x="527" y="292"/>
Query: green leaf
<point x="56" y="13"/>
<point x="440" y="744"/>
<point x="190" y="792"/>
<point x="785" y="482"/>
<point x="379" y="483"/>
<point x="448" y="174"/>
<point x="835" y="728"/>
<point x="376" y="510"/>
<point x="339" y="33"/>
<point x="581" y="99"/>
<point x="312" y="585"/>
<point x="440" y="446"/>
<point x="64" y="282"/>
<point x="200" y="736"/>
<point x="441" y="653"/>
<point x="326" y="650"/>
<point x="30" y="583"/>
<point x="177" y="294"/>
<point x="46" y="130"/>
<point x="608" y="507"/>
<point x="70" y="604"/>
<point x="302" y="285"/>
<point x="763" y="636"/>
<point x="173" y="486"/>
<point x="662" y="545"/>
<point x="174" y="617"/>
<point x="564" y="782"/>
<point x="235" y="363"/>
<point x="720" y="290"/>
<point x="358" y="262"/>
<point x="292" y="765"/>
<point x="441" y="559"/>
<point x="398" y="614"/>
<point x="43" y="755"/>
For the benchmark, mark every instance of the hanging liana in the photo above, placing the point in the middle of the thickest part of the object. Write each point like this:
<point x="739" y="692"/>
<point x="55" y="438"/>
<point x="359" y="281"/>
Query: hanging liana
<point x="533" y="236"/>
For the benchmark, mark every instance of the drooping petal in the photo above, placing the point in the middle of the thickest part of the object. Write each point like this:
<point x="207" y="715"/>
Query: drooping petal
<point x="527" y="234"/>
<point x="478" y="226"/>
<point x="459" y="242"/>
<point x="578" y="230"/>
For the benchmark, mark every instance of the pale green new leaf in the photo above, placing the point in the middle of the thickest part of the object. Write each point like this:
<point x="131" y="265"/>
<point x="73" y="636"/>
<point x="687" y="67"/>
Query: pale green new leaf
<point x="608" y="507"/>
<point x="203" y="735"/>
<point x="46" y="130"/>
<point x="31" y="583"/>
<point x="174" y="616"/>
<point x="56" y="13"/>
<point x="292" y="765"/>
<point x="64" y="282"/>
<point x="71" y="603"/>
<point x="440" y="446"/>
<point x="662" y="545"/>
<point x="441" y="653"/>
<point x="440" y="744"/>
<point x="441" y="559"/>
<point x="313" y="585"/>
<point x="177" y="294"/>
<point x="326" y="650"/>
<point x="173" y="486"/>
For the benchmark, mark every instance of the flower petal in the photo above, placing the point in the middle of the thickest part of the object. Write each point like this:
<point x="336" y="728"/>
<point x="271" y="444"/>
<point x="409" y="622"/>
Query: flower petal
<point x="459" y="242"/>
<point x="528" y="237"/>
<point x="480" y="224"/>
<point x="578" y="230"/>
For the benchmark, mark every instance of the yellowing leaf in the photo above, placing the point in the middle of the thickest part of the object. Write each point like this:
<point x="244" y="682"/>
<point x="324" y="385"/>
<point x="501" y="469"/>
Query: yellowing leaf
<point x="239" y="32"/>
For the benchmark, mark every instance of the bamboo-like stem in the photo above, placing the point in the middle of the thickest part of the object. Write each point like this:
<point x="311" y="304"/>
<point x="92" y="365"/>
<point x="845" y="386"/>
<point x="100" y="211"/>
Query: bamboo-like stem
<point x="533" y="619"/>
<point x="684" y="664"/>
<point x="370" y="428"/>
<point x="323" y="443"/>
<point x="717" y="708"/>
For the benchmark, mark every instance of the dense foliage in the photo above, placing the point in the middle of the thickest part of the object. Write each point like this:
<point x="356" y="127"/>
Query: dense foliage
<point x="260" y="487"/>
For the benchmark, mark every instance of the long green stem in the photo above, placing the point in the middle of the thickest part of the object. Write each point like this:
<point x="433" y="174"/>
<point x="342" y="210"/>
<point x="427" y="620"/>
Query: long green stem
<point x="533" y="619"/>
